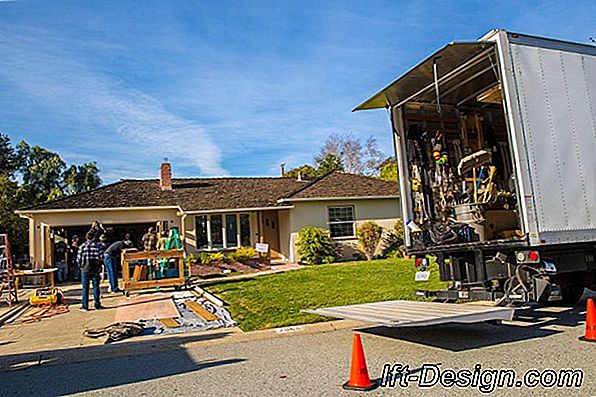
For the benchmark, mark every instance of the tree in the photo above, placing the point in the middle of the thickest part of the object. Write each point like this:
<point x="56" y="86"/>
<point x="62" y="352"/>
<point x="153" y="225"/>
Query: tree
<point x="10" y="222"/>
<point x="32" y="175"/>
<point x="41" y="171"/>
<point x="81" y="178"/>
<point x="355" y="157"/>
<point x="372" y="154"/>
<point x="305" y="171"/>
<point x="388" y="170"/>
<point x="8" y="157"/>
<point x="329" y="163"/>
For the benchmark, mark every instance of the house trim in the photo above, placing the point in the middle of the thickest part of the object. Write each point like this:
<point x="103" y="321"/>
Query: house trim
<point x="225" y="210"/>
<point x="24" y="213"/>
<point x="283" y="200"/>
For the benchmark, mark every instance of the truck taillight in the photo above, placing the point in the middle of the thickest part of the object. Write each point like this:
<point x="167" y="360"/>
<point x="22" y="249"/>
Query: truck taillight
<point x="527" y="257"/>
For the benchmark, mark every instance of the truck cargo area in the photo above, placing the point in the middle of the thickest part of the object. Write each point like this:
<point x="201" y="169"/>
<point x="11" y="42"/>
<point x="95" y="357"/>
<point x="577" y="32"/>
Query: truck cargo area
<point x="494" y="142"/>
<point x="461" y="178"/>
<point x="416" y="313"/>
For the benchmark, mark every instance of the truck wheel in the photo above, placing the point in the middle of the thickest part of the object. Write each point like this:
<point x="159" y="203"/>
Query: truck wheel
<point x="571" y="293"/>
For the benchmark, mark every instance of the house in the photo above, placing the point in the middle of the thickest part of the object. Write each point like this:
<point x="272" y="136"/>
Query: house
<point x="219" y="213"/>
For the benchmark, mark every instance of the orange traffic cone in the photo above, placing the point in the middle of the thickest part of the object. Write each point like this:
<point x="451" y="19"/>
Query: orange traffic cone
<point x="590" y="335"/>
<point x="359" y="379"/>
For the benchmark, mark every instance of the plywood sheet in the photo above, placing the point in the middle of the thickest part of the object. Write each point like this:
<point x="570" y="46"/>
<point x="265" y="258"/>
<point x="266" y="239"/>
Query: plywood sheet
<point x="200" y="310"/>
<point x="146" y="307"/>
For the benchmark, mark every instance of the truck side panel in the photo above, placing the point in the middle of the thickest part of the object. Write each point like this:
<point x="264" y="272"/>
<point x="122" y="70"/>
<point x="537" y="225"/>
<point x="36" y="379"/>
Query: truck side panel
<point x="557" y="104"/>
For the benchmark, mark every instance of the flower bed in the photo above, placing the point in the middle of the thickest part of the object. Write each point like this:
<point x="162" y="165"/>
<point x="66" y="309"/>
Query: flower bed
<point x="220" y="268"/>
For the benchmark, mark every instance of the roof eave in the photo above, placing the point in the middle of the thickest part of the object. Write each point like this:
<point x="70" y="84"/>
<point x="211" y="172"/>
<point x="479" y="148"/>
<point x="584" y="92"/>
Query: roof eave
<point x="378" y="197"/>
<point x="58" y="210"/>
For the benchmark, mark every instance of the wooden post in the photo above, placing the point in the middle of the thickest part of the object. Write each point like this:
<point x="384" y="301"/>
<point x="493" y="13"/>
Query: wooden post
<point x="125" y="269"/>
<point x="260" y="227"/>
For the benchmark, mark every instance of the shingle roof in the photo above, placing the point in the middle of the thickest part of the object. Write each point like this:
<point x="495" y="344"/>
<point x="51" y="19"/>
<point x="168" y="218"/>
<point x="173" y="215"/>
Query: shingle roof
<point x="220" y="193"/>
<point x="341" y="185"/>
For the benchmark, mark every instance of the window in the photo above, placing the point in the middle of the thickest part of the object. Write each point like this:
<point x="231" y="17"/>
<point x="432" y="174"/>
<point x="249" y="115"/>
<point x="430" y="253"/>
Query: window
<point x="341" y="221"/>
<point x="231" y="230"/>
<point x="219" y="231"/>
<point x="216" y="232"/>
<point x="245" y="230"/>
<point x="201" y="231"/>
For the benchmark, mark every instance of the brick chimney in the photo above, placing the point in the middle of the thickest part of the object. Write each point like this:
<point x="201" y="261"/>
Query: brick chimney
<point x="165" y="175"/>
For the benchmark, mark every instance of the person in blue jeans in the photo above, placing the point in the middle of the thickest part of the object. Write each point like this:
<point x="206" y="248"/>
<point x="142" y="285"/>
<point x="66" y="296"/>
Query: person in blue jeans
<point x="111" y="257"/>
<point x="89" y="259"/>
<point x="73" y="254"/>
<point x="60" y="249"/>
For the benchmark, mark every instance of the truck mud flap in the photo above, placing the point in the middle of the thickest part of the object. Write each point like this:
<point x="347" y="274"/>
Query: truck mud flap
<point x="416" y="313"/>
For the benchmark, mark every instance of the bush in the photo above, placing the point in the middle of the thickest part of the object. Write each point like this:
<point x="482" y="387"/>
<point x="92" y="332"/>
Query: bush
<point x="315" y="246"/>
<point x="242" y="254"/>
<point x="206" y="258"/>
<point x="394" y="241"/>
<point x="369" y="235"/>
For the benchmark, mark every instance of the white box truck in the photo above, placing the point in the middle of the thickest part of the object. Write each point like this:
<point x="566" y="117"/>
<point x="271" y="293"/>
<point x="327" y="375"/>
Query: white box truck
<point x="495" y="142"/>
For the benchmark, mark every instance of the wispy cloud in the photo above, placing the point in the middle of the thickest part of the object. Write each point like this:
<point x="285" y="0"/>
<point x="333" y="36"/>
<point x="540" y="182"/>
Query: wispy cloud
<point x="223" y="86"/>
<point x="40" y="66"/>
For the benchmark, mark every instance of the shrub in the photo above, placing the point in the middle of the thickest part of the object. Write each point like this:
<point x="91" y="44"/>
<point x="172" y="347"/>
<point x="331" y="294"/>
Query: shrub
<point x="394" y="241"/>
<point x="242" y="254"/>
<point x="206" y="258"/>
<point x="315" y="246"/>
<point x="369" y="235"/>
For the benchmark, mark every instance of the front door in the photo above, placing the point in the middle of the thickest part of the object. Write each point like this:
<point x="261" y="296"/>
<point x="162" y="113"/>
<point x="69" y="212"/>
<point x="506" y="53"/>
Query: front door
<point x="271" y="232"/>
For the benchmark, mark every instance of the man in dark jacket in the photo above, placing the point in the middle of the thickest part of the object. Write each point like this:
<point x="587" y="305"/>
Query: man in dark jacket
<point x="89" y="259"/>
<point x="111" y="256"/>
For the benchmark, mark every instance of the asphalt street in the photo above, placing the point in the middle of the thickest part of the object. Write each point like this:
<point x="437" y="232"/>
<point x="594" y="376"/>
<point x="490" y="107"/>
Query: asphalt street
<point x="317" y="364"/>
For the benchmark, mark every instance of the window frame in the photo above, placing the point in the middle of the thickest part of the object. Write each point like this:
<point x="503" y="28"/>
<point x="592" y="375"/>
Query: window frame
<point x="224" y="246"/>
<point x="352" y="222"/>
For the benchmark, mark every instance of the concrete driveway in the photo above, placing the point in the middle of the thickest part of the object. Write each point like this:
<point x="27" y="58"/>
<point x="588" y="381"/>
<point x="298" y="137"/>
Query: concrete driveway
<point x="298" y="362"/>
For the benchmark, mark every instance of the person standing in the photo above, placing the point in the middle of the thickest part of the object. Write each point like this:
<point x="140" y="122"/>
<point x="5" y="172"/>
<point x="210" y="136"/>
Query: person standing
<point x="96" y="230"/>
<point x="60" y="257"/>
<point x="103" y="245"/>
<point x="73" y="255"/>
<point x="150" y="240"/>
<point x="89" y="259"/>
<point x="111" y="257"/>
<point x="162" y="240"/>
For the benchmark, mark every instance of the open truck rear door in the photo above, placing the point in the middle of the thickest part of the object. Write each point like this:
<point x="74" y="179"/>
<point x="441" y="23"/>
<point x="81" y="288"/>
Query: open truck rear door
<point x="416" y="313"/>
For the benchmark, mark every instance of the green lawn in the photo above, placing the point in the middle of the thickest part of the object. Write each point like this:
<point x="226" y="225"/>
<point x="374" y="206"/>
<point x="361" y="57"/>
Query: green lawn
<point x="276" y="300"/>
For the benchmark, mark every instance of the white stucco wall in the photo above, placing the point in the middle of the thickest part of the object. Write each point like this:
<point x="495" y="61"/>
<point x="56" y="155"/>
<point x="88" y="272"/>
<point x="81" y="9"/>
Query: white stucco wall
<point x="384" y="212"/>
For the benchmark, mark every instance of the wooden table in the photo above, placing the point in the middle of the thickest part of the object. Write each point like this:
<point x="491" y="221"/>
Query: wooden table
<point x="45" y="274"/>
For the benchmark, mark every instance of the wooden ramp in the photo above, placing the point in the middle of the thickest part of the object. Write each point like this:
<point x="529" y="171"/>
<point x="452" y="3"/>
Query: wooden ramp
<point x="416" y="313"/>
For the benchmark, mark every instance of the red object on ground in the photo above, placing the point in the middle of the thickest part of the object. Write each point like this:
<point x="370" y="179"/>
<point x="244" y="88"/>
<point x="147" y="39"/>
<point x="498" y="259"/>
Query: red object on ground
<point x="590" y="335"/>
<point x="359" y="379"/>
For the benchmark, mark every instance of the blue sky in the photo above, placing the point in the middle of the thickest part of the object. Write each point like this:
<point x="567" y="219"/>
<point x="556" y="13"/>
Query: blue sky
<point x="226" y="88"/>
